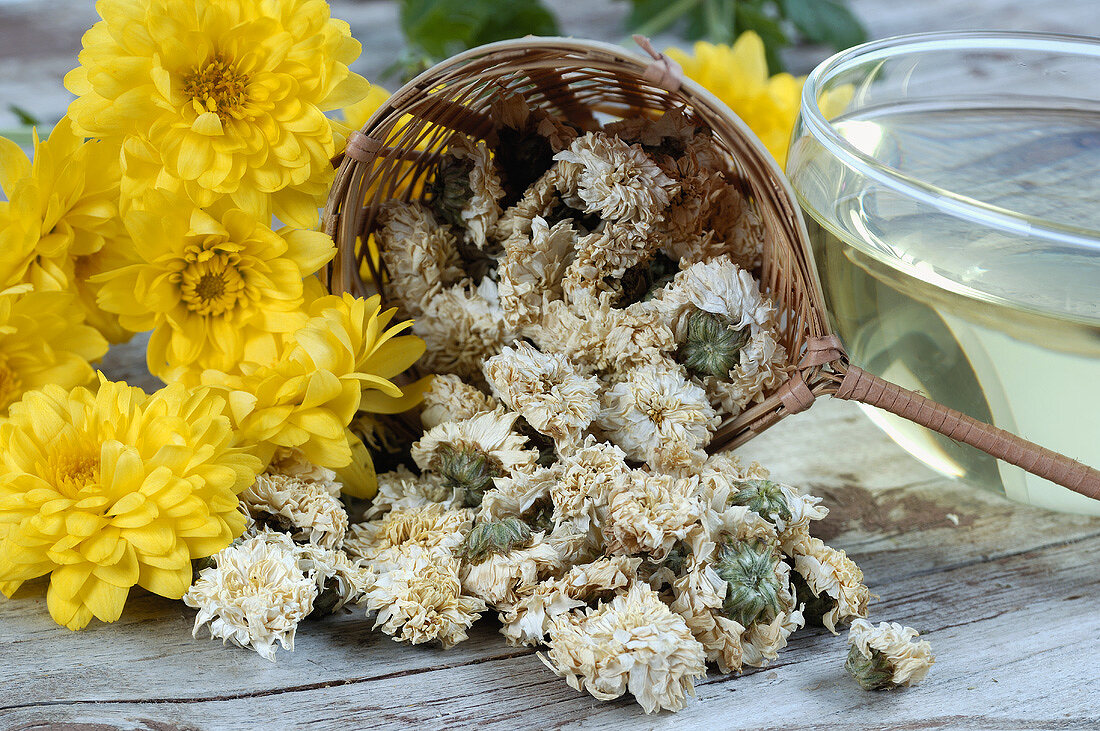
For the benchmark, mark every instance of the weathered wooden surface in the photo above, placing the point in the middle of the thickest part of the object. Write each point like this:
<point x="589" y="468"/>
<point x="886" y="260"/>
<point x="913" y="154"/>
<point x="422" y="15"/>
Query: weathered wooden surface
<point x="1006" y="594"/>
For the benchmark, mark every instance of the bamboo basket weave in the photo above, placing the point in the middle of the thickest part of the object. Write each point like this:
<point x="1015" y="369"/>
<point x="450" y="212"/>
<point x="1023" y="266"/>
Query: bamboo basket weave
<point x="586" y="82"/>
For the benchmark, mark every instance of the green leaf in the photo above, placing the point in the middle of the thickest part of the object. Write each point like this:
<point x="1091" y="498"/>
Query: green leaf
<point x="441" y="28"/>
<point x="825" y="21"/>
<point x="25" y="118"/>
<point x="769" y="30"/>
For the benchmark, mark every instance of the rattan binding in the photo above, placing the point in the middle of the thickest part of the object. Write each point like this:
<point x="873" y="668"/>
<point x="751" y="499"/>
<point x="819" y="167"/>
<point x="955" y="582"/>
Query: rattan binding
<point x="585" y="82"/>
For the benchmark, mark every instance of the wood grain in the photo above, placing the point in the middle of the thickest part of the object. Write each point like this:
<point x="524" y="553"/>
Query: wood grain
<point x="1006" y="594"/>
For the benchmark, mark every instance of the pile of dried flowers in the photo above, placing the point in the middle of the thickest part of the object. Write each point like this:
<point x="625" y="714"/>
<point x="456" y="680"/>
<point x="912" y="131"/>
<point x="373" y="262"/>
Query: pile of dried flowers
<point x="589" y="302"/>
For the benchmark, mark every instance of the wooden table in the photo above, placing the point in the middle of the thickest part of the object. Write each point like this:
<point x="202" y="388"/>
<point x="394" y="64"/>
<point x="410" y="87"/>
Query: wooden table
<point x="1007" y="595"/>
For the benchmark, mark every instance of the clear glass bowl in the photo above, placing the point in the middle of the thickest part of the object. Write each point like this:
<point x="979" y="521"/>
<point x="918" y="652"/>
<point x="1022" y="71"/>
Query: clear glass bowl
<point x="951" y="186"/>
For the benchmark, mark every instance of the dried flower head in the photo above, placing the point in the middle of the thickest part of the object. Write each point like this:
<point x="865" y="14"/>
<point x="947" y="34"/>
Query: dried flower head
<point x="292" y="463"/>
<point x="466" y="190"/>
<point x="634" y="642"/>
<point x="469" y="454"/>
<point x="422" y="600"/>
<point x="830" y="572"/>
<point x="421" y="256"/>
<point x="494" y="536"/>
<point x="401" y="488"/>
<point x="649" y="512"/>
<point x="306" y="510"/>
<point x="500" y="577"/>
<point x="254" y="596"/>
<point x="601" y="337"/>
<point x="585" y="478"/>
<point x="887" y="656"/>
<point x="546" y="389"/>
<point x="340" y="580"/>
<point x="532" y="270"/>
<point x="712" y="345"/>
<point x="659" y="417"/>
<point x="463" y="326"/>
<point x="385" y="543"/>
<point x="749" y="570"/>
<point x="450" y="399"/>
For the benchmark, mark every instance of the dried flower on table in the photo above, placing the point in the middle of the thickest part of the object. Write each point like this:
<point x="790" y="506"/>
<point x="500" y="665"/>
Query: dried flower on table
<point x="829" y="572"/>
<point x="403" y="489"/>
<point x="632" y="643"/>
<point x="385" y="543"/>
<point x="422" y="600"/>
<point x="887" y="656"/>
<point x="254" y="596"/>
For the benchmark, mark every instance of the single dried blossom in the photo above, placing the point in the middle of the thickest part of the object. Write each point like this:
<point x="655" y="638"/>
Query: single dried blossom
<point x="401" y="488"/>
<point x="494" y="536"/>
<point x="532" y="270"/>
<point x="761" y="366"/>
<point x="254" y="596"/>
<point x="602" y="259"/>
<point x="305" y="509"/>
<point x="585" y="477"/>
<point x="721" y="472"/>
<point x="830" y="572"/>
<point x="648" y="512"/>
<point x="340" y="580"/>
<point x="632" y="643"/>
<point x="469" y="454"/>
<point x="292" y="463"/>
<point x="751" y="572"/>
<point x="659" y="417"/>
<point x="463" y="326"/>
<point x="450" y="399"/>
<point x="526" y="621"/>
<point x="719" y="287"/>
<point x="421" y="256"/>
<point x="698" y="599"/>
<point x="386" y="542"/>
<point x="603" y="338"/>
<point x="762" y="642"/>
<point x="520" y="494"/>
<point x="887" y="656"/>
<point x="540" y="200"/>
<point x="466" y="190"/>
<point x="615" y="179"/>
<point x="421" y="600"/>
<point x="546" y="389"/>
<point x="710" y="218"/>
<point x="501" y="576"/>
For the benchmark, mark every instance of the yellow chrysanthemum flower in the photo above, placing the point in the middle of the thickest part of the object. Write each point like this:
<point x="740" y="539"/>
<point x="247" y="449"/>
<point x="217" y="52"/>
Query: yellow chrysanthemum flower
<point x="220" y="98"/>
<point x="305" y="397"/>
<point x="738" y="76"/>
<point x="356" y="115"/>
<point x="43" y="341"/>
<point x="216" y="287"/>
<point x="106" y="490"/>
<point x="60" y="223"/>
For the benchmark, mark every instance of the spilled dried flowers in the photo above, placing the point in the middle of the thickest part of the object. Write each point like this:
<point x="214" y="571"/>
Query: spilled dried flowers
<point x="587" y="299"/>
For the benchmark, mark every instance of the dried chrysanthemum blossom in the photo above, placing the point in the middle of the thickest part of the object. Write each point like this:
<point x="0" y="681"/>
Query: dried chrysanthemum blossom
<point x="254" y="596"/>
<point x="585" y="477"/>
<point x="526" y="141"/>
<point x="602" y="259"/>
<point x="421" y="255"/>
<point x="648" y="512"/>
<point x="659" y="417"/>
<point x="307" y="510"/>
<point x="292" y="463"/>
<point x="698" y="598"/>
<point x="720" y="474"/>
<point x="725" y="331"/>
<point x="385" y="543"/>
<point x="340" y="580"/>
<point x="450" y="399"/>
<point x="511" y="565"/>
<point x="546" y="389"/>
<point x="830" y="572"/>
<point x="634" y="642"/>
<point x="469" y="454"/>
<point x="524" y="493"/>
<point x="541" y="199"/>
<point x="463" y="326"/>
<point x="401" y="488"/>
<point x="615" y="179"/>
<point x="762" y="642"/>
<point x="711" y="217"/>
<point x="422" y="600"/>
<point x="601" y="337"/>
<point x="887" y="656"/>
<point x="526" y="621"/>
<point x="532" y="270"/>
<point x="466" y="190"/>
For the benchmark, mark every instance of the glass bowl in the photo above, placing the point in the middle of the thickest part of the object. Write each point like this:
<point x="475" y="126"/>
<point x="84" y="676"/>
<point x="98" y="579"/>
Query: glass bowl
<point x="951" y="186"/>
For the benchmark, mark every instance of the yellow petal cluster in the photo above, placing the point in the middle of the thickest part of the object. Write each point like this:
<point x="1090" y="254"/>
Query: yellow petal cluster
<point x="303" y="398"/>
<point x="216" y="286"/>
<point x="219" y="99"/>
<point x="60" y="222"/>
<point x="104" y="491"/>
<point x="738" y="76"/>
<point x="43" y="341"/>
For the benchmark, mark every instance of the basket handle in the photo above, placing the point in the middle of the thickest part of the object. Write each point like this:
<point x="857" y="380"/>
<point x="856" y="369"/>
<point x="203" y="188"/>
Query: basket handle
<point x="866" y="388"/>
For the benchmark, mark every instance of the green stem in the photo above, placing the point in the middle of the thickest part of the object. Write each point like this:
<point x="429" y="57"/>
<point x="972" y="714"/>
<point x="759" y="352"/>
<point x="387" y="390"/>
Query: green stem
<point x="666" y="17"/>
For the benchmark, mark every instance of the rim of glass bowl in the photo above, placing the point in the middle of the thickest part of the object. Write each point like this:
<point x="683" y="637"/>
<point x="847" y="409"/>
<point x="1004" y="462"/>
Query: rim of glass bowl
<point x="948" y="201"/>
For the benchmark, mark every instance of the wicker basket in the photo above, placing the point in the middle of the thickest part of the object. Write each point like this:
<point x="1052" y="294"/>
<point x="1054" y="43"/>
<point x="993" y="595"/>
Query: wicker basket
<point x="586" y="82"/>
